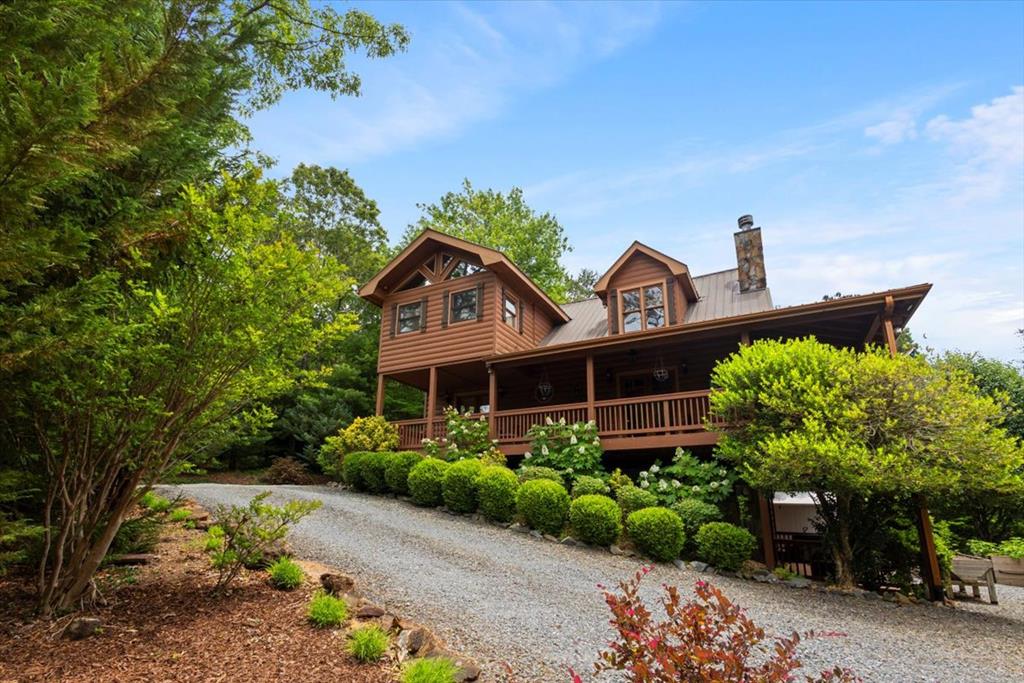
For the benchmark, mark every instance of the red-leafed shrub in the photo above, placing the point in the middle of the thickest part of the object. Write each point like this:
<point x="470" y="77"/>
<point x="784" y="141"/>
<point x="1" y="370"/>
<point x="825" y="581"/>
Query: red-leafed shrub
<point x="707" y="638"/>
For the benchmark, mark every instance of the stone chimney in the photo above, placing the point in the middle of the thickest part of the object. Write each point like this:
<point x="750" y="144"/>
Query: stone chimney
<point x="749" y="256"/>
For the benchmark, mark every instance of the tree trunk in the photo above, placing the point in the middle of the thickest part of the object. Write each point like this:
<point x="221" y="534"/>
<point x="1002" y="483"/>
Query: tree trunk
<point x="842" y="551"/>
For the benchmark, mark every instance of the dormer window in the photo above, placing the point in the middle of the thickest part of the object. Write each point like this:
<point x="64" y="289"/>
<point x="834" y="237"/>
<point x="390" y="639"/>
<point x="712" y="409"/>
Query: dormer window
<point x="643" y="308"/>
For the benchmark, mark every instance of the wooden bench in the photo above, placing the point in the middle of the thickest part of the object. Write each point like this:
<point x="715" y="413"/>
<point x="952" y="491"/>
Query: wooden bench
<point x="969" y="570"/>
<point x="1008" y="571"/>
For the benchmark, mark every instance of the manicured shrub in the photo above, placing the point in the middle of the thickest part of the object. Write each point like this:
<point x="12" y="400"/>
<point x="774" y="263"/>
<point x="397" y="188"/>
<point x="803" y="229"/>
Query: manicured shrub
<point x="396" y="470"/>
<point x="426" y="482"/>
<point x="589" y="486"/>
<point x="633" y="498"/>
<point x="326" y="611"/>
<point x="352" y="469"/>
<point x="287" y="471"/>
<point x="179" y="514"/>
<point x="530" y="473"/>
<point x="285" y="574"/>
<point x="595" y="519"/>
<point x="695" y="514"/>
<point x="430" y="670"/>
<point x="373" y="472"/>
<point x="544" y="505"/>
<point x="725" y="545"/>
<point x="155" y="502"/>
<point x="496" y="490"/>
<point x="459" y="485"/>
<point x="368" y="643"/>
<point x="657" y="532"/>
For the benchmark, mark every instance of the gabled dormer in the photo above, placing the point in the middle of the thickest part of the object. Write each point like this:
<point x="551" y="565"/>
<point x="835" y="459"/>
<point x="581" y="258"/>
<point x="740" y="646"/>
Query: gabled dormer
<point x="645" y="290"/>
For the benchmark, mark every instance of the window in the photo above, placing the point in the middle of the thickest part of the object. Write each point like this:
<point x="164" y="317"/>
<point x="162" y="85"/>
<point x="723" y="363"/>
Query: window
<point x="410" y="317"/>
<point x="464" y="269"/>
<point x="643" y="308"/>
<point x="418" y="279"/>
<point x="510" y="312"/>
<point x="463" y="306"/>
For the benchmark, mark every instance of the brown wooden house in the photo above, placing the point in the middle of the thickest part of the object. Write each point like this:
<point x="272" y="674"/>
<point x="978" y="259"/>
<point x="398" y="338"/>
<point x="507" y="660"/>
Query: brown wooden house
<point x="464" y="324"/>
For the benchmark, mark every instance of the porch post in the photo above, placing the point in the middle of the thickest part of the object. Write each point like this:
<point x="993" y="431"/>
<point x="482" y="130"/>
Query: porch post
<point x="591" y="410"/>
<point x="767" y="532"/>
<point x="431" y="401"/>
<point x="380" y="394"/>
<point x="492" y="398"/>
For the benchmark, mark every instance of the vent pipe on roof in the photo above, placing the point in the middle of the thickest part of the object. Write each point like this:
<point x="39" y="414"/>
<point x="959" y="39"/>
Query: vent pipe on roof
<point x="749" y="255"/>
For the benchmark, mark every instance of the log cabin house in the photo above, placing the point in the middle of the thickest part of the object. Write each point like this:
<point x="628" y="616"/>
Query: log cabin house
<point x="465" y="325"/>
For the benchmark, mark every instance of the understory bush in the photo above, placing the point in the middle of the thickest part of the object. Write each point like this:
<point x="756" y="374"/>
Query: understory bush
<point x="571" y="448"/>
<point x="368" y="643"/>
<point x="396" y="470"/>
<point x="459" y="485"/>
<point x="364" y="434"/>
<point x="326" y="610"/>
<point x="246" y="533"/>
<point x="286" y="471"/>
<point x="496" y="489"/>
<point x="466" y="436"/>
<point x="588" y="485"/>
<point x="543" y="504"/>
<point x="706" y="638"/>
<point x="695" y="513"/>
<point x="595" y="519"/>
<point x="617" y="479"/>
<point x="179" y="515"/>
<point x="426" y="480"/>
<point x="687" y="476"/>
<point x="657" y="532"/>
<point x="725" y="545"/>
<point x="285" y="574"/>
<point x="429" y="670"/>
<point x="633" y="498"/>
<point x="21" y="537"/>
<point x="136" y="535"/>
<point x="529" y="473"/>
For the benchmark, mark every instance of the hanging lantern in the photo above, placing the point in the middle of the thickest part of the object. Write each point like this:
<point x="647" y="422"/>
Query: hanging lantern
<point x="544" y="391"/>
<point x="660" y="371"/>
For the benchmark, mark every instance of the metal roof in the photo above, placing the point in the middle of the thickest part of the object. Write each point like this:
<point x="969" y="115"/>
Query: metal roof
<point x="719" y="298"/>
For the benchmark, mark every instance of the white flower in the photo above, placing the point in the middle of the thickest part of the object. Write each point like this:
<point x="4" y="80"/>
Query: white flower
<point x="643" y="475"/>
<point x="696" y="489"/>
<point x="722" y="472"/>
<point x="655" y="469"/>
<point x="583" y="449"/>
<point x="714" y="484"/>
<point x="561" y="421"/>
<point x="527" y="455"/>
<point x="675" y="483"/>
<point x="573" y="440"/>
<point x="547" y="421"/>
<point x="662" y="485"/>
<point x="597" y="442"/>
<point x="544" y="450"/>
<point x="644" y="484"/>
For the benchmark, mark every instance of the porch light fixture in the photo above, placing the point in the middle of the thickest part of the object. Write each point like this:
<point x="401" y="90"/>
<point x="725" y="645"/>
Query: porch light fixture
<point x="660" y="372"/>
<point x="544" y="391"/>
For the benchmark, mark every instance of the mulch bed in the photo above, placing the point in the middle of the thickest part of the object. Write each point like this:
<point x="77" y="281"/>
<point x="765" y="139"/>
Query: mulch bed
<point x="167" y="627"/>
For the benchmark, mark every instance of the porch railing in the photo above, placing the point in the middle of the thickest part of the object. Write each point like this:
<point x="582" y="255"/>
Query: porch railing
<point x="510" y="426"/>
<point x="663" y="414"/>
<point x="651" y="415"/>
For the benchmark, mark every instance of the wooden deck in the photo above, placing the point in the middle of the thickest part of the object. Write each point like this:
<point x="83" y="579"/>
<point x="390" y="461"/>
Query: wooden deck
<point x="661" y="421"/>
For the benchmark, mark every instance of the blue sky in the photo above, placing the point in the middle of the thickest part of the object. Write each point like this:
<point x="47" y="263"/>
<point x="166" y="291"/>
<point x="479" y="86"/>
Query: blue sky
<point x="877" y="144"/>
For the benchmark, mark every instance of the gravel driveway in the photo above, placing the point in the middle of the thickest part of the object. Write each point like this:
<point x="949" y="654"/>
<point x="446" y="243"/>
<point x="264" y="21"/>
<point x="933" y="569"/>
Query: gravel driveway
<point x="499" y="596"/>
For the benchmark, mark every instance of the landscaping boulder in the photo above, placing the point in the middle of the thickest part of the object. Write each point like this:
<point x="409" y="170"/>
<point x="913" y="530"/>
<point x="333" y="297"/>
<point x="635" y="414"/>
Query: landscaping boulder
<point x="468" y="670"/>
<point x="82" y="627"/>
<point x="337" y="584"/>
<point x="367" y="610"/>
<point x="416" y="641"/>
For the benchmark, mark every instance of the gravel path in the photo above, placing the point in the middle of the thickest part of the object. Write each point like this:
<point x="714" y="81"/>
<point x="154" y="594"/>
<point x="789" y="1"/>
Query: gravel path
<point x="499" y="596"/>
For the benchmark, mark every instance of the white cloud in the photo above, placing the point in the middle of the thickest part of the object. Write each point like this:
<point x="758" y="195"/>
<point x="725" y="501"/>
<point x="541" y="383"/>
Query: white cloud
<point x="468" y="63"/>
<point x="895" y="130"/>
<point x="989" y="146"/>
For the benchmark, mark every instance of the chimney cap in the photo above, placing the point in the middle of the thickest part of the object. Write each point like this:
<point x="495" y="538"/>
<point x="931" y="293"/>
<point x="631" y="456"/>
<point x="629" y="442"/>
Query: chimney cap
<point x="746" y="222"/>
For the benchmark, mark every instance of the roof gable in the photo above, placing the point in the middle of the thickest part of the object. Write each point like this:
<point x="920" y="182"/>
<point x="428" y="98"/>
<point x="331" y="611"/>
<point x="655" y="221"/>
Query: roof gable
<point x="390" y="278"/>
<point x="676" y="268"/>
